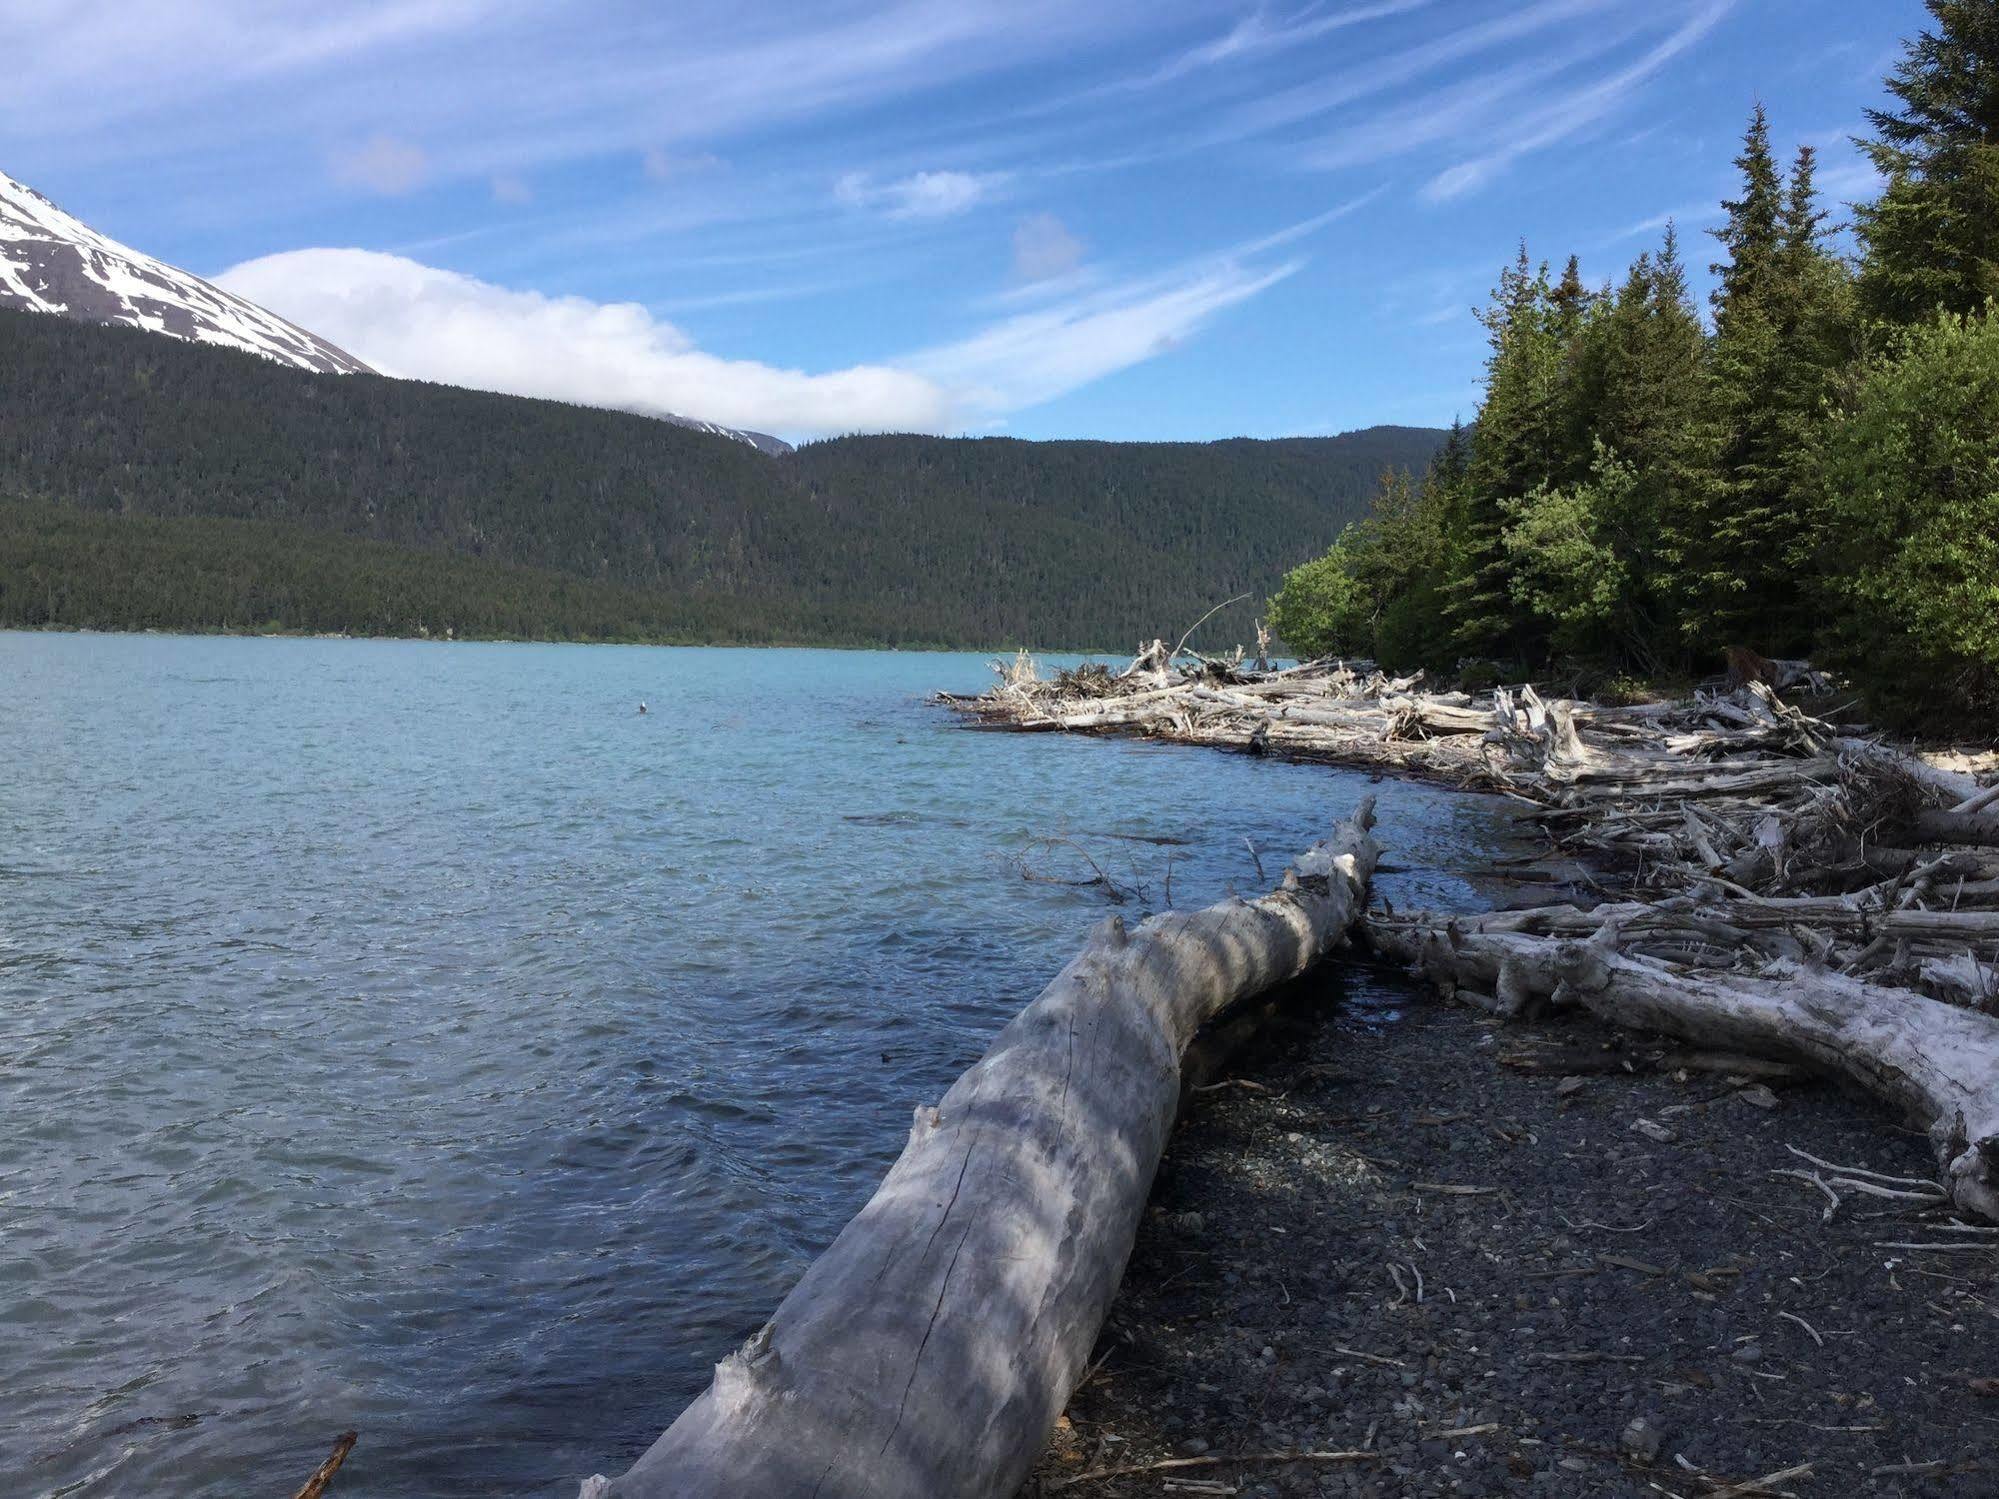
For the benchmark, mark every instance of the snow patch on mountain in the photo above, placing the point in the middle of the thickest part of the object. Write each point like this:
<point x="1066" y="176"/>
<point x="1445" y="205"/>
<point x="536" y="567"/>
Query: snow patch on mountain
<point x="53" y="262"/>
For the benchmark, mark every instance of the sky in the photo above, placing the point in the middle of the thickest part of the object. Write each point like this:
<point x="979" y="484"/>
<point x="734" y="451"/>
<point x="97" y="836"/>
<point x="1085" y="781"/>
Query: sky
<point x="1127" y="219"/>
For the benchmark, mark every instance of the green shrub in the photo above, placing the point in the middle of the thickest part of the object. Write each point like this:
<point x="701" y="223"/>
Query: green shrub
<point x="1322" y="609"/>
<point x="1570" y="571"/>
<point x="1911" y="484"/>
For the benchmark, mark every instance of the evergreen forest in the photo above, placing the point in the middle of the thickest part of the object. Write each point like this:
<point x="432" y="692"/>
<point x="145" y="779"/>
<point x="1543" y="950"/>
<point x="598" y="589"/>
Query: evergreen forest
<point x="1807" y="466"/>
<point x="150" y="483"/>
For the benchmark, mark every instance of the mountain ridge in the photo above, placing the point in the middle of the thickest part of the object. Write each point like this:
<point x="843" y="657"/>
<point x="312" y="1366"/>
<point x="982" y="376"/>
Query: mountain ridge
<point x="52" y="262"/>
<point x="888" y="540"/>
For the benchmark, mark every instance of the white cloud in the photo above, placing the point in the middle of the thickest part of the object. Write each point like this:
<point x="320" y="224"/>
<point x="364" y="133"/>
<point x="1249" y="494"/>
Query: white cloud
<point x="382" y="164"/>
<point x="420" y="322"/>
<point x="1043" y="248"/>
<point x="409" y="319"/>
<point x="663" y="166"/>
<point x="511" y="190"/>
<point x="922" y="195"/>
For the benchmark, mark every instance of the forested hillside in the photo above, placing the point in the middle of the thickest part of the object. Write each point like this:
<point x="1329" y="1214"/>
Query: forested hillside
<point x="1812" y="469"/>
<point x="880" y="540"/>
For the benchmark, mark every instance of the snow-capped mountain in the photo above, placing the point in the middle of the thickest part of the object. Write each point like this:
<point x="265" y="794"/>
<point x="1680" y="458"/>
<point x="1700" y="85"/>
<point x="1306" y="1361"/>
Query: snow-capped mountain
<point x="763" y="442"/>
<point x="51" y="261"/>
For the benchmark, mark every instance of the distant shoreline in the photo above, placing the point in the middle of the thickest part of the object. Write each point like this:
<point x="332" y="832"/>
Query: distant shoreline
<point x="663" y="644"/>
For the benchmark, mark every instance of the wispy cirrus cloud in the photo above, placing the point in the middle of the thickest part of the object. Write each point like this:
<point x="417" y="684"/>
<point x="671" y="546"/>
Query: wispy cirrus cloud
<point x="1085" y="333"/>
<point x="502" y="85"/>
<point x="1574" y="112"/>
<point x="1278" y="109"/>
<point x="1259" y="33"/>
<point x="1038" y="355"/>
<point x="920" y="195"/>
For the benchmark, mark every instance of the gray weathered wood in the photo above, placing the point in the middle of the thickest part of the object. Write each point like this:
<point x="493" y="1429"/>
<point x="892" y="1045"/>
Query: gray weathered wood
<point x="1959" y="827"/>
<point x="928" y="1352"/>
<point x="1937" y="1061"/>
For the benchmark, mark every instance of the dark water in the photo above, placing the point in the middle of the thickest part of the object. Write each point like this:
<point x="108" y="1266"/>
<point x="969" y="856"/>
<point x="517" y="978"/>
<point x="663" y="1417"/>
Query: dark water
<point x="413" y="1038"/>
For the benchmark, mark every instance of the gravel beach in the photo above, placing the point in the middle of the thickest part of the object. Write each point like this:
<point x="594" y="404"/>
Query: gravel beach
<point x="1456" y="1258"/>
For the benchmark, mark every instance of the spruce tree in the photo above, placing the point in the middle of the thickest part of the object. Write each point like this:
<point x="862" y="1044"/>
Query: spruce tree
<point x="1651" y="422"/>
<point x="1514" y="451"/>
<point x="1932" y="238"/>
<point x="1752" y="234"/>
<point x="1783" y="330"/>
<point x="1572" y="311"/>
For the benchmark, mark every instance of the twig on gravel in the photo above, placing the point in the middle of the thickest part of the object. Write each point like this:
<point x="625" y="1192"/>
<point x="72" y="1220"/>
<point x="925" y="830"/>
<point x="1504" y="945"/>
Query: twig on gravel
<point x="1794" y="1317"/>
<point x="1832" y="1197"/>
<point x="1213" y="1461"/>
<point x="1767" y="1484"/>
<point x="1401" y="1286"/>
<point x="1879" y="1176"/>
<point x="1371" y="1358"/>
<point x="1605" y="1227"/>
<point x="1626" y="1262"/>
<point x="1938" y="1248"/>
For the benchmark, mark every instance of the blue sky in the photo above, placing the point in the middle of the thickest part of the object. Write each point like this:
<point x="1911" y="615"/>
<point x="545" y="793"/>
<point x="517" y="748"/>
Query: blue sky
<point x="1037" y="217"/>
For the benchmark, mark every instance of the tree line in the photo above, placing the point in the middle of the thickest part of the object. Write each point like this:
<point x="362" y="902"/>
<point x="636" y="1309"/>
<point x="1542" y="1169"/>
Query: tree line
<point x="426" y="508"/>
<point x="1812" y="470"/>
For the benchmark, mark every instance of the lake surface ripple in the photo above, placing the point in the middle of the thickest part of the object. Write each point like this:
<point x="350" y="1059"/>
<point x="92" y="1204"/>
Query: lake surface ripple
<point x="414" y="1038"/>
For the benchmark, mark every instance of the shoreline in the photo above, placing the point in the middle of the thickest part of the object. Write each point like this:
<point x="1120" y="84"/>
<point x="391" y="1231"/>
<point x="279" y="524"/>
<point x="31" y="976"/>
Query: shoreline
<point x="1267" y="1341"/>
<point x="1261" y="1311"/>
<point x="660" y="644"/>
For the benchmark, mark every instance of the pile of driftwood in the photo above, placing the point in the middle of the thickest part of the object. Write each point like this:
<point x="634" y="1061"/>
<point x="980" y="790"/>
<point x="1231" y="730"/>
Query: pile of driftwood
<point x="1323" y="710"/>
<point x="1762" y="882"/>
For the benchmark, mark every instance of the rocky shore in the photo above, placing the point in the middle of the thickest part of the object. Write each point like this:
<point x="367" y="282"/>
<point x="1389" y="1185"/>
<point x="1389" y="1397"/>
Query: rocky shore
<point x="1455" y="1257"/>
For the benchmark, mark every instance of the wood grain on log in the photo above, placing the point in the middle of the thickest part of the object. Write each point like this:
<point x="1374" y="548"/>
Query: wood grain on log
<point x="1980" y="828"/>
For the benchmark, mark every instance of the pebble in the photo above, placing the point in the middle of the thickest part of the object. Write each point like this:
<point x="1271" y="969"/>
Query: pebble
<point x="1642" y="1440"/>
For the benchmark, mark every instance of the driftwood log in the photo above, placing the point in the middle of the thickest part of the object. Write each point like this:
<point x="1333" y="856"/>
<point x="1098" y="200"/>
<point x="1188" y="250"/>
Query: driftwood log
<point x="1937" y="1062"/>
<point x="928" y="1352"/>
<point x="1753" y="879"/>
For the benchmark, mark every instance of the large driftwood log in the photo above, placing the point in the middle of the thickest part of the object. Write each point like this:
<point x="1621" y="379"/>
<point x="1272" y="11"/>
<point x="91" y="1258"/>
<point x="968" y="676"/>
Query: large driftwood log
<point x="928" y="1352"/>
<point x="1959" y="827"/>
<point x="1938" y="1062"/>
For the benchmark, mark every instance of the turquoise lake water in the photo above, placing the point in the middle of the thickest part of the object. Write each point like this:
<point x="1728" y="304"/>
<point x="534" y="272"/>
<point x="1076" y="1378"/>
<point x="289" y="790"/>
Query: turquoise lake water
<point x="413" y="1038"/>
